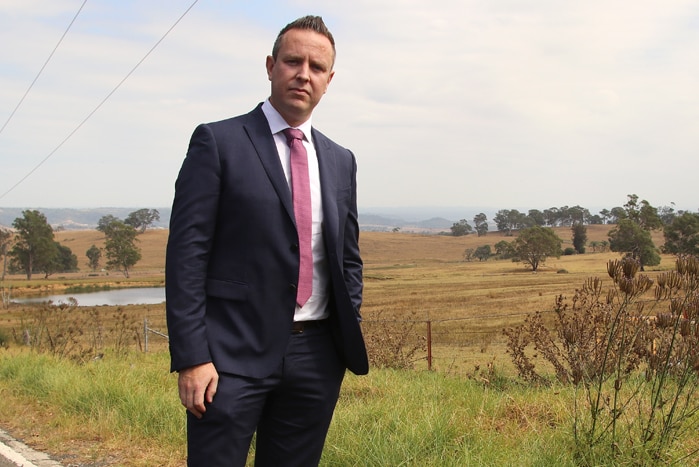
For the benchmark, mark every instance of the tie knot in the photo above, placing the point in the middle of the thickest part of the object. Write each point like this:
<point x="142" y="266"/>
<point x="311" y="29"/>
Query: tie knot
<point x="292" y="134"/>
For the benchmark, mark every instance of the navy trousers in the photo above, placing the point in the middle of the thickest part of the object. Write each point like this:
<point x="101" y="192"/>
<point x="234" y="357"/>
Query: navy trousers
<point x="290" y="410"/>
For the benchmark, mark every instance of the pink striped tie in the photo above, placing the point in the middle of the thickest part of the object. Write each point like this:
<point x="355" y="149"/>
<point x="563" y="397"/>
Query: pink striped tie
<point x="301" y="195"/>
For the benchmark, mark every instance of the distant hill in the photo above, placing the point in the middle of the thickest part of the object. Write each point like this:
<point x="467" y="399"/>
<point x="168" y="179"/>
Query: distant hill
<point x="78" y="219"/>
<point x="379" y="223"/>
<point x="83" y="219"/>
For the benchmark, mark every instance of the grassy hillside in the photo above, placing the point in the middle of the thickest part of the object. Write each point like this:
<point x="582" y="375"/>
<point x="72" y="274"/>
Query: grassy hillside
<point x="377" y="247"/>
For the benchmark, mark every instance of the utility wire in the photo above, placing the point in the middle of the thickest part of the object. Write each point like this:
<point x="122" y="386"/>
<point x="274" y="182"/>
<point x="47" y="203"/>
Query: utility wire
<point x="101" y="103"/>
<point x="42" y="68"/>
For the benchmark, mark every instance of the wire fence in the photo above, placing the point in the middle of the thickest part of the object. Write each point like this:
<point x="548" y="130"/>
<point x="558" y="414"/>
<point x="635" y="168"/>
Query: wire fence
<point x="147" y="331"/>
<point x="452" y="344"/>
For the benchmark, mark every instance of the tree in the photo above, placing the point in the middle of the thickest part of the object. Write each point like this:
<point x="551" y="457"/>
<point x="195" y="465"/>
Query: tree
<point x="62" y="261"/>
<point x="550" y="216"/>
<point x="121" y="251"/>
<point x="5" y="241"/>
<point x="642" y="213"/>
<point x="631" y="239"/>
<point x="461" y="228"/>
<point x="579" y="237"/>
<point x="534" y="244"/>
<point x="34" y="243"/>
<point x="596" y="219"/>
<point x="536" y="217"/>
<point x="468" y="254"/>
<point x="142" y="219"/>
<point x="578" y="214"/>
<point x="104" y="223"/>
<point x="667" y="214"/>
<point x="508" y="220"/>
<point x="504" y="249"/>
<point x="632" y="235"/>
<point x="481" y="222"/>
<point x="682" y="235"/>
<point x="482" y="253"/>
<point x="616" y="214"/>
<point x="502" y="221"/>
<point x="94" y="255"/>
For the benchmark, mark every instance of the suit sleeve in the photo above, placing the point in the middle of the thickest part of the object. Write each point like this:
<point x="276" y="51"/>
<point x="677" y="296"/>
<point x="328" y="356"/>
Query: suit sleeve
<point x="352" y="262"/>
<point x="192" y="227"/>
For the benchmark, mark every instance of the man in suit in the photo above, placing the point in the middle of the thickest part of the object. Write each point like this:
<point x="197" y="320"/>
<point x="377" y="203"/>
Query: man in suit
<point x="251" y="353"/>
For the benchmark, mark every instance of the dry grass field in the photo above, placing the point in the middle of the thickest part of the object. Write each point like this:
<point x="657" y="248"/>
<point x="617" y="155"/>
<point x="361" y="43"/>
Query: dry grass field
<point x="410" y="279"/>
<point x="413" y="278"/>
<point x="420" y="278"/>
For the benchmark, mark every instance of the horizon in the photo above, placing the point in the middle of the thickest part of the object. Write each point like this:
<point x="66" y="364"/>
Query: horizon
<point x="407" y="215"/>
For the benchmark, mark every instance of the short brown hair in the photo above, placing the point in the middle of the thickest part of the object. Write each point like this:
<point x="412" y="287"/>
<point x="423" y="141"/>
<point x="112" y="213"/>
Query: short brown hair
<point x="313" y="23"/>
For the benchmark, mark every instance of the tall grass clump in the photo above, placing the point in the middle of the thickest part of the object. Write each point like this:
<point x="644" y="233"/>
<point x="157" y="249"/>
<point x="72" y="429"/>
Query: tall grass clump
<point x="108" y="401"/>
<point x="421" y="418"/>
<point x="633" y="359"/>
<point x="68" y="331"/>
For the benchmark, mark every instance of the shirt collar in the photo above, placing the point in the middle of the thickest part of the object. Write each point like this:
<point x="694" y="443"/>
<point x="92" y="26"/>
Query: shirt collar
<point x="278" y="124"/>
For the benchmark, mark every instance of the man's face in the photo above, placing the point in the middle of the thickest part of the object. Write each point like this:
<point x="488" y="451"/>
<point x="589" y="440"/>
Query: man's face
<point x="300" y="74"/>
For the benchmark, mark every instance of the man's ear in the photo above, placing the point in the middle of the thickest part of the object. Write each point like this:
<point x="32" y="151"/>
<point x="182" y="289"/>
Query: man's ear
<point x="269" y="64"/>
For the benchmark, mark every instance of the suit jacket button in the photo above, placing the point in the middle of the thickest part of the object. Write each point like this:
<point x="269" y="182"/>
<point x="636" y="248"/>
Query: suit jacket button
<point x="294" y="247"/>
<point x="292" y="287"/>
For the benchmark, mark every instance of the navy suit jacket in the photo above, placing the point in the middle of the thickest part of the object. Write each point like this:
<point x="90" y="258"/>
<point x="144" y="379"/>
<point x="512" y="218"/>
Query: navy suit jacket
<point x="232" y="255"/>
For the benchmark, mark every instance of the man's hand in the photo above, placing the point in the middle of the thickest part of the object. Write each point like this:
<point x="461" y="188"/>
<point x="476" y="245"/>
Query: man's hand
<point x="197" y="385"/>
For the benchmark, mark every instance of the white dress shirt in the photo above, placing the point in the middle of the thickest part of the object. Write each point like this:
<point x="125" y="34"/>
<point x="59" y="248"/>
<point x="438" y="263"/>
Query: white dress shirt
<point x="316" y="306"/>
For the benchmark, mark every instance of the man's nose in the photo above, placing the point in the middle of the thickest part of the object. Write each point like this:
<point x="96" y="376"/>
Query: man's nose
<point x="303" y="71"/>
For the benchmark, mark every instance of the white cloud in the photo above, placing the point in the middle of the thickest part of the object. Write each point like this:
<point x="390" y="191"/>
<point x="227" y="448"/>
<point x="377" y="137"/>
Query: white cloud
<point x="506" y="104"/>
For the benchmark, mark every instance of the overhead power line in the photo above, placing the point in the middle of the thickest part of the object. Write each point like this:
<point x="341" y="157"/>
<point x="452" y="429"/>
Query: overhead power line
<point x="101" y="102"/>
<point x="42" y="68"/>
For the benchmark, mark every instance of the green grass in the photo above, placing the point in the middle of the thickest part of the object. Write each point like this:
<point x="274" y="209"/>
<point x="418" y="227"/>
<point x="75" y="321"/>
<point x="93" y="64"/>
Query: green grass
<point x="125" y="411"/>
<point x="409" y="418"/>
<point x="127" y="404"/>
<point x="401" y="418"/>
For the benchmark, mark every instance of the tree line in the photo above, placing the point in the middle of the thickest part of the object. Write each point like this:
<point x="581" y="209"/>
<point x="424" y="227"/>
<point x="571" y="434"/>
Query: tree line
<point x="631" y="235"/>
<point x="31" y="247"/>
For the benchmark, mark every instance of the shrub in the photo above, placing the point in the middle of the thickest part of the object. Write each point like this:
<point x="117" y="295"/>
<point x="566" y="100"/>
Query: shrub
<point x="637" y="370"/>
<point x="79" y="334"/>
<point x="392" y="344"/>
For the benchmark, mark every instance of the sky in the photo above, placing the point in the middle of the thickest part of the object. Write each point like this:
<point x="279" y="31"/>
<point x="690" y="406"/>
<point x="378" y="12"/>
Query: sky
<point x="508" y="104"/>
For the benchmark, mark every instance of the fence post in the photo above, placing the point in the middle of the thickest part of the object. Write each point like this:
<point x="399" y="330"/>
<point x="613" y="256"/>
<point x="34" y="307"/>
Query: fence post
<point x="145" y="335"/>
<point x="429" y="345"/>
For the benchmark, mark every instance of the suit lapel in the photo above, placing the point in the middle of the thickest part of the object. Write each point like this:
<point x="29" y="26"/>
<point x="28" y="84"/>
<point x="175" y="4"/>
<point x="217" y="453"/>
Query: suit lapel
<point x="258" y="131"/>
<point x="263" y="141"/>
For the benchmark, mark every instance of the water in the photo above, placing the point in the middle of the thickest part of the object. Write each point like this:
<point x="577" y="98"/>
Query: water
<point x="132" y="296"/>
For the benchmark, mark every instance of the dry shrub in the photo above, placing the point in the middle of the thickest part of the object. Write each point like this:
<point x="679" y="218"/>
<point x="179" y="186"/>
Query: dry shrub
<point x="638" y="369"/>
<point x="80" y="334"/>
<point x="599" y="332"/>
<point x="591" y="335"/>
<point x="391" y="343"/>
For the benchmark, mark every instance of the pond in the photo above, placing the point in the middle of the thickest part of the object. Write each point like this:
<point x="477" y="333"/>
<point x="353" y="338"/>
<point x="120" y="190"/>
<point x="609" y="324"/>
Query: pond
<point x="132" y="296"/>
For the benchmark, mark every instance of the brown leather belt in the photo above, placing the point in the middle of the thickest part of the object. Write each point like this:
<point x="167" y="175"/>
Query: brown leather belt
<point x="298" y="327"/>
